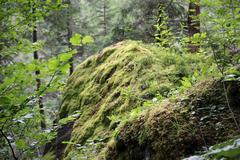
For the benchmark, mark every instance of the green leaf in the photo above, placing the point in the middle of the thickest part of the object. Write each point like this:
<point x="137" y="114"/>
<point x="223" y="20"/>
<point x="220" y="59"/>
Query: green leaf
<point x="186" y="82"/>
<point x="65" y="56"/>
<point x="53" y="64"/>
<point x="76" y="40"/>
<point x="87" y="40"/>
<point x="73" y="52"/>
<point x="68" y="142"/>
<point x="65" y="68"/>
<point x="66" y="120"/>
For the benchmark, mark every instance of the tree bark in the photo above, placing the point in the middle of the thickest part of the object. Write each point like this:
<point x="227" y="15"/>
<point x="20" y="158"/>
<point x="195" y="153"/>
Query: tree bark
<point x="69" y="35"/>
<point x="193" y="23"/>
<point x="37" y="73"/>
<point x="104" y="18"/>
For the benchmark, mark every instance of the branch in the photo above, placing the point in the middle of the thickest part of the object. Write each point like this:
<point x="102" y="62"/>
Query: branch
<point x="21" y="105"/>
<point x="7" y="89"/>
<point x="40" y="93"/>
<point x="9" y="144"/>
<point x="30" y="98"/>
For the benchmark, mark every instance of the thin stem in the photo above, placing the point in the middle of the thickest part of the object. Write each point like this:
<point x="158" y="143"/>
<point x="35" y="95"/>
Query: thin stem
<point x="6" y="89"/>
<point x="229" y="107"/>
<point x="9" y="144"/>
<point x="224" y="87"/>
<point x="40" y="92"/>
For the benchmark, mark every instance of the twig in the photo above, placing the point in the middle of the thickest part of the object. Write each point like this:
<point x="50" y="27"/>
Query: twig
<point x="6" y="89"/>
<point x="9" y="144"/>
<point x="40" y="93"/>
<point x="229" y="107"/>
<point x="224" y="87"/>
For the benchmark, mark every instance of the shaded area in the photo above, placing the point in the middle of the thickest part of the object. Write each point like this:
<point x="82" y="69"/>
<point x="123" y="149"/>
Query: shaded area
<point x="178" y="129"/>
<point x="56" y="146"/>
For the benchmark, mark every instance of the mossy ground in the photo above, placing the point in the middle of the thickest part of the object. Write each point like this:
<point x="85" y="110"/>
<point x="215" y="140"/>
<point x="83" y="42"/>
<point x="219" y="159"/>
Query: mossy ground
<point x="113" y="93"/>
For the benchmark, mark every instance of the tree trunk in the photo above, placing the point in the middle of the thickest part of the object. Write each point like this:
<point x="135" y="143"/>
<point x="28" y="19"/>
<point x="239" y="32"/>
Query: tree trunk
<point x="104" y="18"/>
<point x="69" y="35"/>
<point x="37" y="73"/>
<point x="193" y="23"/>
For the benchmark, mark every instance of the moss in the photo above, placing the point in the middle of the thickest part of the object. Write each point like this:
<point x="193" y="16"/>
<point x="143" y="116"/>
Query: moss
<point x="227" y="150"/>
<point x="176" y="129"/>
<point x="119" y="81"/>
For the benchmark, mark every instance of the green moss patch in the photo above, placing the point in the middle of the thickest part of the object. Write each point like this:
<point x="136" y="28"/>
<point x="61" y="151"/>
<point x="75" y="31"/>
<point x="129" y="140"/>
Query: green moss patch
<point x="178" y="128"/>
<point x="119" y="95"/>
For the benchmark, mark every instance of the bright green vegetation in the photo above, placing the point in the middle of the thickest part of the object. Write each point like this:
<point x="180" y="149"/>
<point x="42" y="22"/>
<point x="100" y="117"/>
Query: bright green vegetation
<point x="125" y="100"/>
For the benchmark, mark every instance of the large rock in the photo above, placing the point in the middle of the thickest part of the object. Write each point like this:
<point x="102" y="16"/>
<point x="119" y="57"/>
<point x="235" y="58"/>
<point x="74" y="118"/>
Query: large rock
<point x="180" y="127"/>
<point x="131" y="106"/>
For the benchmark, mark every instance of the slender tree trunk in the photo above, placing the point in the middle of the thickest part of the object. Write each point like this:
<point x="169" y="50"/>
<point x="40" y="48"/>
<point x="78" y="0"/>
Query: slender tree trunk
<point x="81" y="50"/>
<point x="122" y="34"/>
<point x="193" y="22"/>
<point x="104" y="18"/>
<point x="69" y="35"/>
<point x="37" y="73"/>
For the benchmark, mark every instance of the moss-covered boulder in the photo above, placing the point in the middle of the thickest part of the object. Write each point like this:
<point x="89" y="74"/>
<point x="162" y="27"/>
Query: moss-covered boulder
<point x="125" y="106"/>
<point x="179" y="127"/>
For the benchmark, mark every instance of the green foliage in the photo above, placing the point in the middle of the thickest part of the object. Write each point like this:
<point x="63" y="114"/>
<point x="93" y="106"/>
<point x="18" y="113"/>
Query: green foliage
<point x="76" y="40"/>
<point x="186" y="83"/>
<point x="87" y="40"/>
<point x="227" y="150"/>
<point x="20" y="116"/>
<point x="79" y="40"/>
<point x="164" y="36"/>
<point x="222" y="35"/>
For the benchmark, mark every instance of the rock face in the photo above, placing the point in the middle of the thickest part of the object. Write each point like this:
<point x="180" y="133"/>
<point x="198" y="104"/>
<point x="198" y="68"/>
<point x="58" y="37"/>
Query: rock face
<point x="127" y="107"/>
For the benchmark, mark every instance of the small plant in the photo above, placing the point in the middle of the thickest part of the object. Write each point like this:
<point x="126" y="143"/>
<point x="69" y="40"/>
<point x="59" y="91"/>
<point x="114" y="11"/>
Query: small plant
<point x="164" y="36"/>
<point x="176" y="125"/>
